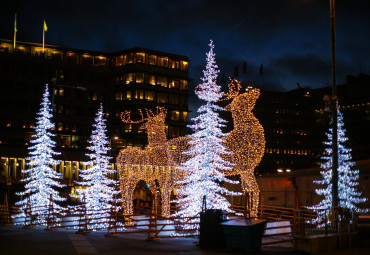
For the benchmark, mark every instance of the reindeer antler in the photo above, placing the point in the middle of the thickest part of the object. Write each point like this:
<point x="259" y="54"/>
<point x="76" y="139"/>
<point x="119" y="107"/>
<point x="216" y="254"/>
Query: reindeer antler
<point x="234" y="89"/>
<point x="126" y="118"/>
<point x="159" y="111"/>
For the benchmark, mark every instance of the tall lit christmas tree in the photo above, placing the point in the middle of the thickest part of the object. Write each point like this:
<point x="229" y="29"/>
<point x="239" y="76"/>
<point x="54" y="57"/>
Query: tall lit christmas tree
<point x="99" y="196"/>
<point x="348" y="195"/>
<point x="203" y="169"/>
<point x="40" y="196"/>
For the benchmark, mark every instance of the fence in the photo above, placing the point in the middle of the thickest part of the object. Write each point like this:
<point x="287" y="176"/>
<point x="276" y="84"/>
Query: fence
<point x="290" y="222"/>
<point x="334" y="221"/>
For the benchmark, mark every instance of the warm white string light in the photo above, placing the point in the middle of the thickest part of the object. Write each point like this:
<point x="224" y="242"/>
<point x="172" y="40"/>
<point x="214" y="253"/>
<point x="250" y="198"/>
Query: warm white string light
<point x="246" y="140"/>
<point x="158" y="161"/>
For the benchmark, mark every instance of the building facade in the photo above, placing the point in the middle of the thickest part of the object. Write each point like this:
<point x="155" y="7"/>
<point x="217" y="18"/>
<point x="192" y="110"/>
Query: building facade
<point x="293" y="138"/>
<point x="296" y="121"/>
<point x="79" y="80"/>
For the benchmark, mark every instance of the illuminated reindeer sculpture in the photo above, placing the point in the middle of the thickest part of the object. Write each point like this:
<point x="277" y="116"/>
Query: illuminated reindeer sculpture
<point x="157" y="162"/>
<point x="246" y="141"/>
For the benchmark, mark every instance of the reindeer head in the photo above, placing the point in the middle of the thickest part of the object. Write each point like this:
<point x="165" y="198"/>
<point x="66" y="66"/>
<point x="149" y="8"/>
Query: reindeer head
<point x="245" y="101"/>
<point x="154" y="124"/>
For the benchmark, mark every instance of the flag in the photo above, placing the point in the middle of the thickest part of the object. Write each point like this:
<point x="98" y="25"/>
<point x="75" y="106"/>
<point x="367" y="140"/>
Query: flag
<point x="261" y="69"/>
<point x="15" y="24"/>
<point x="45" y="26"/>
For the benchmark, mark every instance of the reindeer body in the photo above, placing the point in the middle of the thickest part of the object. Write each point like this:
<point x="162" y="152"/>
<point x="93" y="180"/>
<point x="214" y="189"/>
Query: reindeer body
<point x="247" y="142"/>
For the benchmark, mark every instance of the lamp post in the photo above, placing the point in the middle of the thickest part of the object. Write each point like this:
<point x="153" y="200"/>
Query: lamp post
<point x="334" y="100"/>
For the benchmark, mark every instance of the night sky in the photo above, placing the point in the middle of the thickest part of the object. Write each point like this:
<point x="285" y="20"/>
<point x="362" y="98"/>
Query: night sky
<point x="291" y="38"/>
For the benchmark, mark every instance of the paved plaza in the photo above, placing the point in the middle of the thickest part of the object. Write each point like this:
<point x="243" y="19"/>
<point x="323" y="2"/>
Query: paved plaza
<point x="15" y="240"/>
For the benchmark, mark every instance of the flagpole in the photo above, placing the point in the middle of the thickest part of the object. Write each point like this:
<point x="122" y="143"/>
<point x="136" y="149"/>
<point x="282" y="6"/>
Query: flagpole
<point x="43" y="37"/>
<point x="15" y="31"/>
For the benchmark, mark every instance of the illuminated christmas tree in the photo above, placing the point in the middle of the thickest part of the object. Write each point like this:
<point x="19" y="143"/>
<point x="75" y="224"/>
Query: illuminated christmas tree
<point x="40" y="195"/>
<point x="205" y="164"/>
<point x="348" y="195"/>
<point x="99" y="196"/>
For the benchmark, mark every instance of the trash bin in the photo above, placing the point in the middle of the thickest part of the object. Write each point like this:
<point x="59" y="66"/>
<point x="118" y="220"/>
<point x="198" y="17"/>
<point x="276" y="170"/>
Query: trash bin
<point x="210" y="230"/>
<point x="244" y="234"/>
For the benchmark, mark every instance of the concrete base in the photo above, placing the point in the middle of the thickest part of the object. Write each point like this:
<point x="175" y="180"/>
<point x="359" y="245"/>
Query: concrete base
<point x="322" y="243"/>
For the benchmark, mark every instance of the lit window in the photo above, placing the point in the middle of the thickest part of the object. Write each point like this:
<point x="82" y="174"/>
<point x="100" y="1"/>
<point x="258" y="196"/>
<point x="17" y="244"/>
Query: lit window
<point x="149" y="95"/>
<point x="129" y="58"/>
<point x="140" y="57"/>
<point x="60" y="126"/>
<point x="184" y="65"/>
<point x="175" y="64"/>
<point x="118" y="96"/>
<point x="139" y="94"/>
<point x="87" y="59"/>
<point x="185" y="116"/>
<point x="174" y="84"/>
<point x="139" y="78"/>
<point x="163" y="61"/>
<point x="119" y="61"/>
<point x="71" y="57"/>
<point x="152" y="59"/>
<point x="128" y="78"/>
<point x="151" y="79"/>
<point x="101" y="61"/>
<point x="127" y="128"/>
<point x="61" y="92"/>
<point x="175" y="115"/>
<point x="5" y="47"/>
<point x="162" y="81"/>
<point x="128" y="95"/>
<point x="184" y="85"/>
<point x="56" y="55"/>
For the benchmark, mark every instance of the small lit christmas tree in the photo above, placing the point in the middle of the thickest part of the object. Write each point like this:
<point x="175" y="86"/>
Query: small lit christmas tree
<point x="40" y="196"/>
<point x="348" y="195"/>
<point x="99" y="196"/>
<point x="203" y="169"/>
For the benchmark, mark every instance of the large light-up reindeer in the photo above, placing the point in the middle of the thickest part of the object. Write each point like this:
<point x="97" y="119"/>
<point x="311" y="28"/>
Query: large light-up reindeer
<point x="246" y="140"/>
<point x="157" y="162"/>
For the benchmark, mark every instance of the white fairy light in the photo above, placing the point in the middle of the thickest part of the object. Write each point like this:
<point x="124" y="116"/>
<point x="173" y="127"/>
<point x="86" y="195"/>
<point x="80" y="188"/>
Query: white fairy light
<point x="348" y="195"/>
<point x="206" y="166"/>
<point x="40" y="195"/>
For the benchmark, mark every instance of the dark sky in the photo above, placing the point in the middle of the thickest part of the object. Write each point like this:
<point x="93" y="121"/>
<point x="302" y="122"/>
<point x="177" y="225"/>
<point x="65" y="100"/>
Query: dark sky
<point x="291" y="38"/>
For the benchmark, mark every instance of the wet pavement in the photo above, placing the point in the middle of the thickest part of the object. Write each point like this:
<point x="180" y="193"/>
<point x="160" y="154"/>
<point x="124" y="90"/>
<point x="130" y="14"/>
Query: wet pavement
<point x="15" y="240"/>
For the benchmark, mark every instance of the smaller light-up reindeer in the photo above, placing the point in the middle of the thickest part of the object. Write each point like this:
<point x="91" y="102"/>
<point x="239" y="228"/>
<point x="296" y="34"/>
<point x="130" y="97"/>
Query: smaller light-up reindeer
<point x="157" y="162"/>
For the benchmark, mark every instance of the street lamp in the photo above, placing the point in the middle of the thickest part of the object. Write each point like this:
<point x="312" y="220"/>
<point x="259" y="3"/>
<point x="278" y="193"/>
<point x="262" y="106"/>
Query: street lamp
<point x="334" y="100"/>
